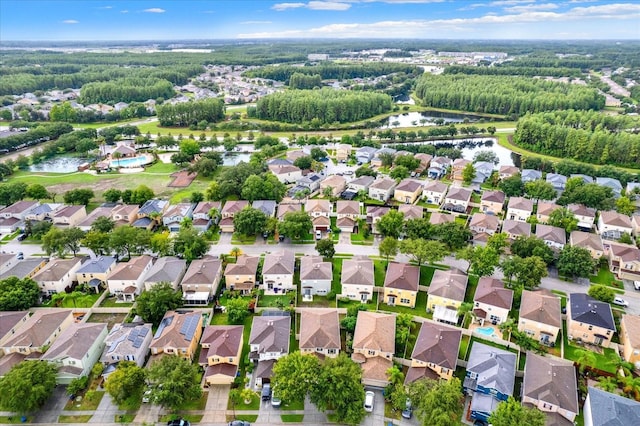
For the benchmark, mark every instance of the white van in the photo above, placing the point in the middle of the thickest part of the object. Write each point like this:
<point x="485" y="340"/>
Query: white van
<point x="318" y="235"/>
<point x="368" y="401"/>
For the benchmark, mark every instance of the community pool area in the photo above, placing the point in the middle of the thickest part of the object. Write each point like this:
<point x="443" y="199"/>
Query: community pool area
<point x="137" y="161"/>
<point x="487" y="331"/>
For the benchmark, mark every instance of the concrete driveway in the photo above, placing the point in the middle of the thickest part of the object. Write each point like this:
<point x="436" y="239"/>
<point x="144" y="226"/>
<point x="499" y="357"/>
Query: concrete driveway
<point x="55" y="404"/>
<point x="377" y="417"/>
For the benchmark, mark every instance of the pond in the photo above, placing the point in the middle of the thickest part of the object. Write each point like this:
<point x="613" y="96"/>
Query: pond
<point x="61" y="164"/>
<point x="425" y="118"/>
<point x="232" y="158"/>
<point x="505" y="156"/>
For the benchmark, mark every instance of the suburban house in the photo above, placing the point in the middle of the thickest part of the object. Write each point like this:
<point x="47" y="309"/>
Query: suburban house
<point x="320" y="332"/>
<point x="287" y="173"/>
<point x="335" y="182"/>
<point x="545" y="208"/>
<point x="589" y="241"/>
<point x="200" y="282"/>
<point x="348" y="213"/>
<point x="374" y="214"/>
<point x="38" y="332"/>
<point x="457" y="200"/>
<point x="12" y="217"/>
<point x="361" y="184"/>
<point x="76" y="350"/>
<point x="409" y="211"/>
<point x="167" y="269"/>
<point x="624" y="261"/>
<point x="365" y="154"/>
<point x="551" y="386"/>
<point x="519" y="209"/>
<point x="292" y="156"/>
<point x="357" y="278"/>
<point x="283" y="209"/>
<point x="87" y="222"/>
<point x="126" y="342"/>
<point x="220" y="353"/>
<point x="515" y="229"/>
<point x="491" y="374"/>
<point x="374" y="344"/>
<point x="57" y="275"/>
<point x="69" y="216"/>
<point x="506" y="172"/>
<point x="229" y="210"/>
<point x="425" y="160"/>
<point x="635" y="222"/>
<point x="311" y="182"/>
<point x="435" y="353"/>
<point x="586" y="216"/>
<point x="630" y="338"/>
<point x="150" y="214"/>
<point x="343" y="151"/>
<point x="125" y="214"/>
<point x="315" y="277"/>
<point x="382" y="189"/>
<point x="401" y="284"/>
<point x="126" y="280"/>
<point x="241" y="276"/>
<point x="529" y="175"/>
<point x="268" y="207"/>
<point x="202" y="220"/>
<point x="178" y="334"/>
<point x="557" y="181"/>
<point x="438" y="218"/>
<point x="376" y="161"/>
<point x="26" y="268"/>
<point x="482" y="226"/>
<point x="589" y="320"/>
<point x="457" y="167"/>
<point x="408" y="191"/>
<point x="552" y="236"/>
<point x="484" y="170"/>
<point x="540" y="316"/>
<point x="94" y="271"/>
<point x="492" y="302"/>
<point x="175" y="214"/>
<point x="605" y="409"/>
<point x="434" y="192"/>
<point x="612" y="225"/>
<point x="44" y="211"/>
<point x="492" y="202"/>
<point x="10" y="322"/>
<point x="614" y="184"/>
<point x="319" y="210"/>
<point x="446" y="294"/>
<point x="438" y="167"/>
<point x="277" y="272"/>
<point x="268" y="341"/>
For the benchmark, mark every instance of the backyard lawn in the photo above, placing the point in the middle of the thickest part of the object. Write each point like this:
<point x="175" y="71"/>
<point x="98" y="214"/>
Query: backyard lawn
<point x="606" y="277"/>
<point x="419" y="310"/>
<point x="603" y="361"/>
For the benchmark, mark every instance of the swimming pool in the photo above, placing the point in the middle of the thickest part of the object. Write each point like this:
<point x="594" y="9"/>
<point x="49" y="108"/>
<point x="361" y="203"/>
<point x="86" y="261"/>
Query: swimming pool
<point x="487" y="331"/>
<point x="138" y="161"/>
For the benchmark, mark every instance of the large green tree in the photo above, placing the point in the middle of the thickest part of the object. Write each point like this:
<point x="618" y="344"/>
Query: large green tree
<point x="511" y="412"/>
<point x="454" y="235"/>
<point x="295" y="224"/>
<point x="602" y="293"/>
<point x="27" y="386"/>
<point x="540" y="189"/>
<point x="575" y="261"/>
<point x="421" y="251"/>
<point x="482" y="260"/>
<point x="388" y="248"/>
<point x="187" y="243"/>
<point x="563" y="218"/>
<point x="294" y="375"/>
<point x="177" y="380"/>
<point x="325" y="248"/>
<point x="127" y="379"/>
<point x="524" y="246"/>
<point x="249" y="221"/>
<point x="152" y="304"/>
<point x="127" y="239"/>
<point x="437" y="403"/>
<point x="391" y="224"/>
<point x="18" y="294"/>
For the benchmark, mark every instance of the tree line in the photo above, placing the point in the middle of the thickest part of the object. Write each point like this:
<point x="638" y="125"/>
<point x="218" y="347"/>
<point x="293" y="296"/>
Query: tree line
<point x="503" y="94"/>
<point x="188" y="113"/>
<point x="299" y="80"/>
<point x="127" y="89"/>
<point x="332" y="71"/>
<point x="39" y="133"/>
<point x="582" y="136"/>
<point x="321" y="106"/>
<point x="509" y="70"/>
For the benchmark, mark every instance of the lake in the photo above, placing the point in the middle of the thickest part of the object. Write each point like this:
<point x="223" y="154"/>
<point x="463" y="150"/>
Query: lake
<point x="231" y="159"/>
<point x="59" y="164"/>
<point x="425" y="118"/>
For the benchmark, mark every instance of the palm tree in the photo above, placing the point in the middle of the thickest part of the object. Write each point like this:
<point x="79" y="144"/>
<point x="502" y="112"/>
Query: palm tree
<point x="631" y="386"/>
<point x="117" y="155"/>
<point x="464" y="310"/>
<point x="235" y="252"/>
<point x="508" y="326"/>
<point x="620" y="364"/>
<point x="584" y="358"/>
<point x="608" y="384"/>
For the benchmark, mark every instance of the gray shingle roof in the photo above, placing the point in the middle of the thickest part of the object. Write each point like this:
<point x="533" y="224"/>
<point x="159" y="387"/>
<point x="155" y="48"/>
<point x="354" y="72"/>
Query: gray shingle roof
<point x="608" y="409"/>
<point x="586" y="309"/>
<point x="496" y="368"/>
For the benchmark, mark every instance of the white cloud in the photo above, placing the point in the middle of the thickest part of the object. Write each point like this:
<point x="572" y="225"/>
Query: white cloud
<point x="154" y="10"/>
<point x="105" y="7"/>
<point x="255" y="22"/>
<point x="312" y="5"/>
<point x="124" y="11"/>
<point x="531" y="7"/>
<point x="70" y="21"/>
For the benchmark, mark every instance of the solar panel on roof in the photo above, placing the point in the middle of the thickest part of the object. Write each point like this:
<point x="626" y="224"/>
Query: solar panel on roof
<point x="143" y="332"/>
<point x="133" y="334"/>
<point x="188" y="328"/>
<point x="138" y="342"/>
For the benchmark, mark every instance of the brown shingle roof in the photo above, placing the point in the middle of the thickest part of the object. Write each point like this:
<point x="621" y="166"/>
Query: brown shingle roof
<point x="347" y="207"/>
<point x="130" y="270"/>
<point x="357" y="271"/>
<point x="586" y="239"/>
<point x="375" y="331"/>
<point x="546" y="208"/>
<point x="614" y="218"/>
<point x="202" y="271"/>
<point x="37" y="329"/>
<point x="315" y="268"/>
<point x="551" y="233"/>
<point x="493" y="196"/>
<point x="271" y="333"/>
<point x="521" y="203"/>
<point x="319" y="328"/>
<point x="75" y="341"/>
<point x="437" y="344"/>
<point x="56" y="269"/>
<point x="317" y="206"/>
<point x="223" y="340"/>
<point x="279" y="263"/>
<point x="402" y="276"/>
<point x="580" y="210"/>
<point x="410" y="211"/>
<point x="541" y="307"/>
<point x="483" y="220"/>
<point x="492" y="292"/>
<point x="384" y="184"/>
<point x="409" y="185"/>
<point x="283" y="209"/>
<point x="439" y="218"/>
<point x="232" y="207"/>
<point x="460" y="194"/>
<point x="9" y="320"/>
<point x="632" y="327"/>
<point x="451" y="284"/>
<point x="173" y="334"/>
<point x="552" y="380"/>
<point x="436" y="186"/>
<point x="245" y="265"/>
<point x="516" y="228"/>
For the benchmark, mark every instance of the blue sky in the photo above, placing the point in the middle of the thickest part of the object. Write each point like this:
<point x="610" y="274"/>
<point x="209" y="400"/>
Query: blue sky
<point x="240" y="19"/>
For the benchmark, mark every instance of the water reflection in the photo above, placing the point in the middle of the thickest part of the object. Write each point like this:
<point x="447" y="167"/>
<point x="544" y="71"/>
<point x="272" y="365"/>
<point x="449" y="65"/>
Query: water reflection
<point x="60" y="164"/>
<point x="425" y="118"/>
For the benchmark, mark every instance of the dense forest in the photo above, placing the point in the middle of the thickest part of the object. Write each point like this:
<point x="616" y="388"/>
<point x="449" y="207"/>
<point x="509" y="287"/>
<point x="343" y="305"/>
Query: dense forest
<point x="126" y="90"/>
<point x="191" y="113"/>
<point x="299" y="80"/>
<point x="509" y="70"/>
<point x="39" y="133"/>
<point x="324" y="106"/>
<point x="503" y="94"/>
<point x="582" y="135"/>
<point x="332" y="71"/>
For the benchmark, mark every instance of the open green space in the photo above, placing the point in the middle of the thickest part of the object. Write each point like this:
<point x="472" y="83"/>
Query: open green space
<point x="82" y="418"/>
<point x="90" y="401"/>
<point x="292" y="418"/>
<point x="15" y="420"/>
<point x="277" y="301"/>
<point x="124" y="418"/>
<point x="606" y="277"/>
<point x="603" y="360"/>
<point x="254" y="404"/>
<point x="112" y="302"/>
<point x="419" y="310"/>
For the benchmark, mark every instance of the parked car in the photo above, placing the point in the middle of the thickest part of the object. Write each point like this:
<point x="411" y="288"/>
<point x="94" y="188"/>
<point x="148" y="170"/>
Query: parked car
<point x="239" y="423"/>
<point x="318" y="235"/>
<point x="266" y="392"/>
<point x="275" y="400"/>
<point x="22" y="237"/>
<point x="20" y="256"/>
<point x="146" y="397"/>
<point x="620" y="301"/>
<point x="178" y="422"/>
<point x="408" y="410"/>
<point x="368" y="401"/>
<point x="636" y="285"/>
